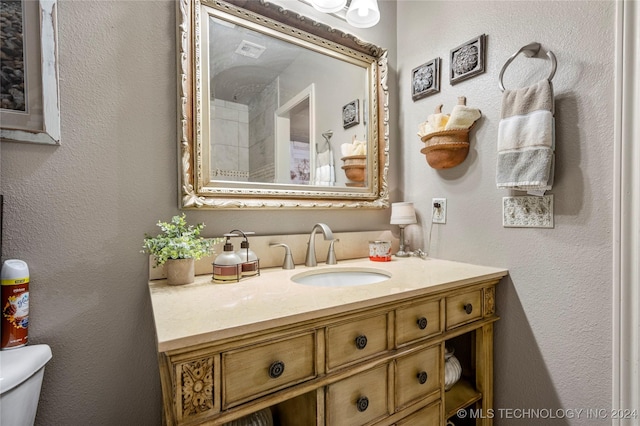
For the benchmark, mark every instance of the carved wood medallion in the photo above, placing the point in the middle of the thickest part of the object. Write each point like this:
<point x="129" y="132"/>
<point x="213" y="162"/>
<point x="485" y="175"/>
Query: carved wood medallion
<point x="197" y="387"/>
<point x="489" y="301"/>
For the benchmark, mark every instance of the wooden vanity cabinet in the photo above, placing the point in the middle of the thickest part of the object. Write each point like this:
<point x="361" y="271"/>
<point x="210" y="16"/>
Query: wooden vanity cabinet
<point x="380" y="365"/>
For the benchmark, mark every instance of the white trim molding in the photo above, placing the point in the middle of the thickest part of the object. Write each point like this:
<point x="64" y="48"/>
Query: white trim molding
<point x="626" y="279"/>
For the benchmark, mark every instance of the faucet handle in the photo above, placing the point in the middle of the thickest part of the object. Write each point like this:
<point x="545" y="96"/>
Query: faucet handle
<point x="288" y="257"/>
<point x="331" y="255"/>
<point x="419" y="253"/>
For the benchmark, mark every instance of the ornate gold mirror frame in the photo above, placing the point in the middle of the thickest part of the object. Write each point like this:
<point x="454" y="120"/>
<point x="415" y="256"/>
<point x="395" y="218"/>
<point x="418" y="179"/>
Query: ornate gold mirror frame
<point x="196" y="188"/>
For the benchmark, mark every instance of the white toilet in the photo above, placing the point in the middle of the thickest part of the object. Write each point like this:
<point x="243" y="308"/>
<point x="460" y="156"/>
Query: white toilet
<point x="21" y="372"/>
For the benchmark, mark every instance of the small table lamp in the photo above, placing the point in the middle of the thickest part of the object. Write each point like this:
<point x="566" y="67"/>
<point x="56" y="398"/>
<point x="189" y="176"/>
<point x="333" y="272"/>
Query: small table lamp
<point x="402" y="214"/>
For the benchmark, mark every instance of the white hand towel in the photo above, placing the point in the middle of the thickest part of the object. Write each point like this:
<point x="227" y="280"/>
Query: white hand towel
<point x="462" y="116"/>
<point x="525" y="169"/>
<point x="436" y="122"/>
<point x="325" y="170"/>
<point x="526" y="139"/>
<point x="522" y="131"/>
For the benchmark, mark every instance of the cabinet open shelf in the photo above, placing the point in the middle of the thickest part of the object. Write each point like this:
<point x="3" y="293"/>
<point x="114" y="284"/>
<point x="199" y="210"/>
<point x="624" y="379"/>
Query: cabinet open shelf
<point x="461" y="395"/>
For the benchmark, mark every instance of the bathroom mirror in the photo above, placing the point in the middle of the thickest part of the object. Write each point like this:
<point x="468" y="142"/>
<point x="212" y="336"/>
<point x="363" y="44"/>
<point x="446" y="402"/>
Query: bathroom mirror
<point x="276" y="110"/>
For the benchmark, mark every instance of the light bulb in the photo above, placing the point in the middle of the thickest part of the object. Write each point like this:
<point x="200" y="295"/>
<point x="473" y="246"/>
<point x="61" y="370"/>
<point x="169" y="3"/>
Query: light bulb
<point x="328" y="6"/>
<point x="363" y="13"/>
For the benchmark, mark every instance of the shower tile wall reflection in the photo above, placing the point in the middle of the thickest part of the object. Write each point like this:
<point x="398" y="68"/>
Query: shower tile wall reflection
<point x="230" y="152"/>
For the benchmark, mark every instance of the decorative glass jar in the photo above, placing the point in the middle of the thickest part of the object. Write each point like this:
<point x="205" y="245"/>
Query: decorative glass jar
<point x="452" y="369"/>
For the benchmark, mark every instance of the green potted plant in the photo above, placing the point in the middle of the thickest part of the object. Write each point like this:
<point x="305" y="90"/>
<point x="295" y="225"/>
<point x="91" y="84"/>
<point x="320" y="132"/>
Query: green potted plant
<point x="178" y="246"/>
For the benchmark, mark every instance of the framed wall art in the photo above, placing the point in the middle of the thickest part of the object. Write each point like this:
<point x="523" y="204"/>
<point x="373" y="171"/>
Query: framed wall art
<point x="467" y="60"/>
<point x="351" y="114"/>
<point x="425" y="79"/>
<point x="29" y="96"/>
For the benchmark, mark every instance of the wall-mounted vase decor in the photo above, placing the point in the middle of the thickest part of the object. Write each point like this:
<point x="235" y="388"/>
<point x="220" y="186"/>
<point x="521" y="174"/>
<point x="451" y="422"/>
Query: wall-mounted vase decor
<point x="446" y="136"/>
<point x="467" y="60"/>
<point x="355" y="169"/>
<point x="425" y="79"/>
<point x="351" y="114"/>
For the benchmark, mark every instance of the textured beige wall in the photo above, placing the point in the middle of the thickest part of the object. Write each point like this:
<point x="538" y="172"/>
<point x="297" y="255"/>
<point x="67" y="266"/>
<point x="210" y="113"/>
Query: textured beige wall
<point x="553" y="345"/>
<point x="77" y="213"/>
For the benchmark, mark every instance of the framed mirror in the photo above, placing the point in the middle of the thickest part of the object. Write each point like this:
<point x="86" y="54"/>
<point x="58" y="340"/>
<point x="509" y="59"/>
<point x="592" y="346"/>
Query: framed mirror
<point x="276" y="110"/>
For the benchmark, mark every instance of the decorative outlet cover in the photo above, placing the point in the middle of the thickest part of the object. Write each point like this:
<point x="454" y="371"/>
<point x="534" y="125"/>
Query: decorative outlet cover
<point x="527" y="212"/>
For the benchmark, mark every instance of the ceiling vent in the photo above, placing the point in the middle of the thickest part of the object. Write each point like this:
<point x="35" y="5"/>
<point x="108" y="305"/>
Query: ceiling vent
<point x="252" y="50"/>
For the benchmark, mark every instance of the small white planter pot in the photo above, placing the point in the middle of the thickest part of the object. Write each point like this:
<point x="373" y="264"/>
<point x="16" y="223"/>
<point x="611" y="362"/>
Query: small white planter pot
<point x="180" y="271"/>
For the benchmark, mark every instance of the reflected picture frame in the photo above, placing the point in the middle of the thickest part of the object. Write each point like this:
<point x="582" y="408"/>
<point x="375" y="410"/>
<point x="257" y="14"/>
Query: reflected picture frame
<point x="42" y="28"/>
<point x="425" y="79"/>
<point x="351" y="114"/>
<point x="467" y="60"/>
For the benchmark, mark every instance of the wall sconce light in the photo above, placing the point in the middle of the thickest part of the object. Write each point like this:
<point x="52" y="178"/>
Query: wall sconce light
<point x="363" y="13"/>
<point x="402" y="214"/>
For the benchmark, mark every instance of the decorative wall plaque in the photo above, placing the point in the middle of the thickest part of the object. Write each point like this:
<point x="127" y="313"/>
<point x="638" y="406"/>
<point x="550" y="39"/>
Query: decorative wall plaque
<point x="467" y="60"/>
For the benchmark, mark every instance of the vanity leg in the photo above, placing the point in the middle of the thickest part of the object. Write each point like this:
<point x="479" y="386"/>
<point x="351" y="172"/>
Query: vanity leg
<point x="320" y="420"/>
<point x="484" y="371"/>
<point x="165" y="385"/>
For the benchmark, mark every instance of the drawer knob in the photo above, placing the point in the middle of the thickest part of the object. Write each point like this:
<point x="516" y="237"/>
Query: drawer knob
<point x="468" y="307"/>
<point x="361" y="342"/>
<point x="276" y="369"/>
<point x="422" y="323"/>
<point x="362" y="403"/>
<point x="422" y="377"/>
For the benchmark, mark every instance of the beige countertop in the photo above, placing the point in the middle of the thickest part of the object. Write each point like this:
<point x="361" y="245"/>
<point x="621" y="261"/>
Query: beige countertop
<point x="203" y="311"/>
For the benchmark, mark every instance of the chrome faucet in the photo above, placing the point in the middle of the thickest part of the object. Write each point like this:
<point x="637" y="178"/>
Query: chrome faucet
<point x="311" y="245"/>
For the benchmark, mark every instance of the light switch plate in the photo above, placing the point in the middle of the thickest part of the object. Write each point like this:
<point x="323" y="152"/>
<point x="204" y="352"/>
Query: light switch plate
<point x="527" y="212"/>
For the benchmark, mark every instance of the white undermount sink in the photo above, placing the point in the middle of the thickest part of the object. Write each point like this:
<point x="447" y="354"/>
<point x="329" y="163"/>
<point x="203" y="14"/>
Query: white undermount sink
<point x="341" y="277"/>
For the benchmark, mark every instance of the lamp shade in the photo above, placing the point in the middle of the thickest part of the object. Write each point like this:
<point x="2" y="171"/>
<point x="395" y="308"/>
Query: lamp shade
<point x="363" y="13"/>
<point x="403" y="214"/>
<point x="328" y="6"/>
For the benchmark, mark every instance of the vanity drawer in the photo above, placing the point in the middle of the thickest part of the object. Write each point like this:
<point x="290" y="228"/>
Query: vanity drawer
<point x="417" y="375"/>
<point x="463" y="308"/>
<point x="252" y="371"/>
<point x="418" y="321"/>
<point x="358" y="400"/>
<point x="429" y="415"/>
<point x="356" y="340"/>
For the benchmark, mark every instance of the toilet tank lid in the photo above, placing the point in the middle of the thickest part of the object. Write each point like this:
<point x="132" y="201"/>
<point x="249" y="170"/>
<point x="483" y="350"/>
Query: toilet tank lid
<point x="17" y="365"/>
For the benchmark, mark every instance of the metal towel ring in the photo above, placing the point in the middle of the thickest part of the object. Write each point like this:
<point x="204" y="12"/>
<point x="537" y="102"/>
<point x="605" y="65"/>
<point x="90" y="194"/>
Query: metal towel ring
<point x="530" y="50"/>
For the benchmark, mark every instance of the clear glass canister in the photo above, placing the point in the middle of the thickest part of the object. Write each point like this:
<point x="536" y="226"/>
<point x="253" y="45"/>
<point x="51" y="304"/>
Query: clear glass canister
<point x="380" y="251"/>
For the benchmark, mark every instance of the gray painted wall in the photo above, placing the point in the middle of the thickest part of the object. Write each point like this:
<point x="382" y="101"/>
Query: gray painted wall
<point x="77" y="213"/>
<point x="553" y="344"/>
